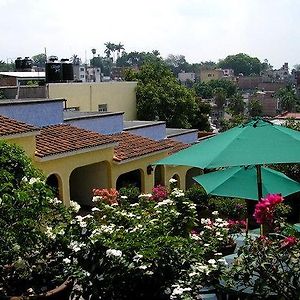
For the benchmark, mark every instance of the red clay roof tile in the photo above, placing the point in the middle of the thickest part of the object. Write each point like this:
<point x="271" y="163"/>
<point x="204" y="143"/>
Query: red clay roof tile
<point x="9" y="127"/>
<point x="175" y="145"/>
<point x="133" y="146"/>
<point x="61" y="138"/>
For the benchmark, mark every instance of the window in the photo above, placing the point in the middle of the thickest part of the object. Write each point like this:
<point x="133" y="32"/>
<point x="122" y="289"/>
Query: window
<point x="72" y="108"/>
<point x="82" y="69"/>
<point x="209" y="75"/>
<point x="81" y="76"/>
<point x="102" y="107"/>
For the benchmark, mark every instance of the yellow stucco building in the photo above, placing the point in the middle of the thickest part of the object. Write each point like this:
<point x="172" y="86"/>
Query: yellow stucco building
<point x="75" y="160"/>
<point x="103" y="96"/>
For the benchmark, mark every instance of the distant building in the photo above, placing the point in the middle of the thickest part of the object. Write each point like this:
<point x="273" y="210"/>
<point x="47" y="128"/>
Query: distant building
<point x="282" y="118"/>
<point x="20" y="78"/>
<point x="184" y="77"/>
<point x="215" y="74"/>
<point x="80" y="73"/>
<point x="268" y="102"/>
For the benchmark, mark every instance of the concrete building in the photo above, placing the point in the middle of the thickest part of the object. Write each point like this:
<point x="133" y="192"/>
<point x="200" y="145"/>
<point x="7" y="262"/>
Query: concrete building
<point x="104" y="96"/>
<point x="185" y="77"/>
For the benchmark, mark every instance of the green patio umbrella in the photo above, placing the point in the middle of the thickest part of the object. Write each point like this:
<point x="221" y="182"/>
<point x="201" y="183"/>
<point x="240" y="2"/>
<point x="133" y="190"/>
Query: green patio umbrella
<point x="240" y="182"/>
<point x="256" y="142"/>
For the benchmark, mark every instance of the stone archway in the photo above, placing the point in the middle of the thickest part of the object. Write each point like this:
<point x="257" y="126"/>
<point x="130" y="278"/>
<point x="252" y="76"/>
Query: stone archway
<point x="55" y="183"/>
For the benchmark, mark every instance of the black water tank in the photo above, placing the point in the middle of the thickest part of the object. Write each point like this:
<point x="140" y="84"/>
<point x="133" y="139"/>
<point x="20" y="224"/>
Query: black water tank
<point x="27" y="64"/>
<point x="67" y="70"/>
<point x="18" y="63"/>
<point x="53" y="70"/>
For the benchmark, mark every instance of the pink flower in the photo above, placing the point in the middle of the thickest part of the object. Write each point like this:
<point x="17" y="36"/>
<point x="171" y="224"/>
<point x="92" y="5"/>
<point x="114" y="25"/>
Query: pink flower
<point x="289" y="241"/>
<point x="264" y="209"/>
<point x="159" y="193"/>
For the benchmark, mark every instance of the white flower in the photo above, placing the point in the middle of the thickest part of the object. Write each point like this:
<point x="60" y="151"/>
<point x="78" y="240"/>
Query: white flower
<point x="124" y="197"/>
<point x="134" y="204"/>
<point x="215" y="213"/>
<point x="61" y="231"/>
<point x="34" y="180"/>
<point x="212" y="261"/>
<point x="96" y="198"/>
<point x="113" y="252"/>
<point x="219" y="220"/>
<point x="164" y="202"/>
<point x="74" y="206"/>
<point x="0" y="201"/>
<point x="95" y="209"/>
<point x="55" y="201"/>
<point x="172" y="180"/>
<point x="206" y="245"/>
<point x="25" y="179"/>
<point x="177" y="193"/>
<point x="76" y="246"/>
<point x="149" y="273"/>
<point x="137" y="257"/>
<point x="143" y="267"/>
<point x="67" y="260"/>
<point x="49" y="233"/>
<point x="145" y="196"/>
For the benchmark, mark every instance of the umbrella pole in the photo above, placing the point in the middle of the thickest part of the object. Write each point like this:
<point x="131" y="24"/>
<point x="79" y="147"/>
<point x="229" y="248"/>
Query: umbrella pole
<point x="259" y="191"/>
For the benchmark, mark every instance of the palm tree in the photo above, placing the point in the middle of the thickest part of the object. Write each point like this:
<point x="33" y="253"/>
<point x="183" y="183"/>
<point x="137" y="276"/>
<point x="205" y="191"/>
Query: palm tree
<point x="118" y="48"/>
<point x="110" y="47"/>
<point x="75" y="59"/>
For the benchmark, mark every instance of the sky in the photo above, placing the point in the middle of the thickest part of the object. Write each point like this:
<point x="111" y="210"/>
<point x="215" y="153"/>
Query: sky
<point x="200" y="30"/>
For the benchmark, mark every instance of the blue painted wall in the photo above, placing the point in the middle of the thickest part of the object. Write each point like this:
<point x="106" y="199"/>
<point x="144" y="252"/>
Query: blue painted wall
<point x="105" y="124"/>
<point x="35" y="113"/>
<point x="155" y="132"/>
<point x="187" y="138"/>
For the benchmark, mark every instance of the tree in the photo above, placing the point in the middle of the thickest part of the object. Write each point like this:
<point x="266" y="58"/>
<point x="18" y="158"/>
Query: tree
<point x="75" y="59"/>
<point x="177" y="64"/>
<point x="161" y="97"/>
<point x="136" y="59"/>
<point x="219" y="97"/>
<point x="287" y="99"/>
<point x="255" y="108"/>
<point x="110" y="48"/>
<point x="242" y="63"/>
<point x="6" y="67"/>
<point x="39" y="60"/>
<point x="236" y="104"/>
<point x="203" y="90"/>
<point x="118" y="48"/>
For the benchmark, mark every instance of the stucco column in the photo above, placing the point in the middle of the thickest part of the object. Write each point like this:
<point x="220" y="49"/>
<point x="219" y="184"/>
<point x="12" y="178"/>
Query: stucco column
<point x="147" y="181"/>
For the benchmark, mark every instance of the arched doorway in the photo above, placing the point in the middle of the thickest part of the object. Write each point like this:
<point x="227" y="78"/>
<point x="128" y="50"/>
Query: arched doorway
<point x="86" y="178"/>
<point x="132" y="178"/>
<point x="189" y="181"/>
<point x="159" y="177"/>
<point x="54" y="182"/>
<point x="177" y="178"/>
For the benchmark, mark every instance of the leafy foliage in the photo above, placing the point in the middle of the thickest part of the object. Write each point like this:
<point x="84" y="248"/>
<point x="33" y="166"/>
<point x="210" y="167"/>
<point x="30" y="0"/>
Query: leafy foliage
<point x="39" y="60"/>
<point x="161" y="97"/>
<point x="242" y="63"/>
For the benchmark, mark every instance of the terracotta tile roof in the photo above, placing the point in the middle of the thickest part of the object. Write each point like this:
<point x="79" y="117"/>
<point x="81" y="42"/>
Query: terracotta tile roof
<point x="57" y="139"/>
<point x="175" y="145"/>
<point x="288" y="115"/>
<point x="9" y="127"/>
<point x="133" y="146"/>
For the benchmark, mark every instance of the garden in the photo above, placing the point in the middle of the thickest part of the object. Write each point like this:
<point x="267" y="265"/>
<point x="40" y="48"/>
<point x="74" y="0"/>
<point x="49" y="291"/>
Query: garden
<point x="168" y="244"/>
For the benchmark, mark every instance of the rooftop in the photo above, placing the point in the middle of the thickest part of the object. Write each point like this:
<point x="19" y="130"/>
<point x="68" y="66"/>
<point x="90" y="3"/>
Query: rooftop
<point x="178" y="131"/>
<point x="40" y="75"/>
<point x="62" y="138"/>
<point x="75" y="115"/>
<point x="28" y="100"/>
<point x="288" y="115"/>
<point x="132" y="146"/>
<point x="12" y="127"/>
<point x="140" y="124"/>
<point x="175" y="145"/>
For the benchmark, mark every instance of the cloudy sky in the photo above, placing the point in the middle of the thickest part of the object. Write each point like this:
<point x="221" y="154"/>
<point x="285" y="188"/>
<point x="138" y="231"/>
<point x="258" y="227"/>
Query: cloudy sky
<point x="199" y="29"/>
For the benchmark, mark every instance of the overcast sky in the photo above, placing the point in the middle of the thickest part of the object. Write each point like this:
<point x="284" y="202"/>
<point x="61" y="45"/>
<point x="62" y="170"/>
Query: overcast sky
<point x="198" y="29"/>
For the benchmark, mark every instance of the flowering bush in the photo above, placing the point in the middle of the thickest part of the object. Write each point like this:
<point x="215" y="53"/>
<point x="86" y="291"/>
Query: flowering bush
<point x="159" y="193"/>
<point x="141" y="250"/>
<point x="32" y="228"/>
<point x="268" y="265"/>
<point x="108" y="195"/>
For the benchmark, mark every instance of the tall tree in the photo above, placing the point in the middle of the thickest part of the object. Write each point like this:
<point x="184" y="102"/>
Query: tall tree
<point x="161" y="97"/>
<point x="287" y="99"/>
<point x="255" y="108"/>
<point x="242" y="63"/>
<point x="110" y="48"/>
<point x="39" y="60"/>
<point x="236" y="104"/>
<point x="177" y="64"/>
<point x="75" y="59"/>
<point x="119" y="47"/>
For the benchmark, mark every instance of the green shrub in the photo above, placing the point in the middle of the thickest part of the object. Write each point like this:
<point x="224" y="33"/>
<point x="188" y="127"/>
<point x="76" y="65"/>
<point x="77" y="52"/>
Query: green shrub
<point x="131" y="192"/>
